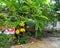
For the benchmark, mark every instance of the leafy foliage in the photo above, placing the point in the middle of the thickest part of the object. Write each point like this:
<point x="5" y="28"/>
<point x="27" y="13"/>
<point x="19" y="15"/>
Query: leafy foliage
<point x="5" y="40"/>
<point x="3" y="19"/>
<point x="22" y="40"/>
<point x="29" y="9"/>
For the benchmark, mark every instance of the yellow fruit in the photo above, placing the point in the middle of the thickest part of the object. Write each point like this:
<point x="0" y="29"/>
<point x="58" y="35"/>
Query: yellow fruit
<point x="22" y="30"/>
<point x="22" y="24"/>
<point x="17" y="31"/>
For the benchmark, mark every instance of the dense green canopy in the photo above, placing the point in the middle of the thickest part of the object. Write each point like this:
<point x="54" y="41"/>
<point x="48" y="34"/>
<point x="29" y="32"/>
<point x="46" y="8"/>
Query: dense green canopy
<point x="40" y="11"/>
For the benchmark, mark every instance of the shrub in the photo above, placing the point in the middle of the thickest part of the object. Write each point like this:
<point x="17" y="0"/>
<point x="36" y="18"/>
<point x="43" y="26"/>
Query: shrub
<point x="5" y="40"/>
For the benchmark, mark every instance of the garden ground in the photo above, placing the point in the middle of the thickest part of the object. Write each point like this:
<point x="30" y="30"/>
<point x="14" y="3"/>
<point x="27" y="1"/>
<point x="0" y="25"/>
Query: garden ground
<point x="51" y="42"/>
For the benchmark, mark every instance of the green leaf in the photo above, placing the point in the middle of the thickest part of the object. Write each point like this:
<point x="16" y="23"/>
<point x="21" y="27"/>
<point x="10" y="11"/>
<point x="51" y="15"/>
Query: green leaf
<point x="44" y="17"/>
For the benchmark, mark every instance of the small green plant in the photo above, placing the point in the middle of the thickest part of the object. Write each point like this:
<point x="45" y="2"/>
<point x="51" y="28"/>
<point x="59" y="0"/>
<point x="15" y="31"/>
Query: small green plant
<point x="5" y="40"/>
<point x="22" y="40"/>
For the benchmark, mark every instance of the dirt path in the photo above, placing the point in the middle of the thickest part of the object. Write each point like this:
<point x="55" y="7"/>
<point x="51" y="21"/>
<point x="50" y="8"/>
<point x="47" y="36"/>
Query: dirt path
<point x="51" y="42"/>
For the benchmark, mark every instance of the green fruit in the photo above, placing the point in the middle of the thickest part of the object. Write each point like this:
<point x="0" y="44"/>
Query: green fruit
<point x="30" y="22"/>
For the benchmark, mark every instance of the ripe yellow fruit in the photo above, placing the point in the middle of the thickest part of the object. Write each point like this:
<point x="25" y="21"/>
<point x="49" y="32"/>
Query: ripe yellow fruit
<point x="22" y="30"/>
<point x="22" y="24"/>
<point x="17" y="31"/>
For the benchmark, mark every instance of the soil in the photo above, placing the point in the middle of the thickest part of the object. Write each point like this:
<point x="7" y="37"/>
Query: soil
<point x="50" y="42"/>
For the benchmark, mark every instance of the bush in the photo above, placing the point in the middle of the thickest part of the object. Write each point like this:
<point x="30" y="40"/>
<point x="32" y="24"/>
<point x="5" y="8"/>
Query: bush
<point x="5" y="40"/>
<point x="22" y="40"/>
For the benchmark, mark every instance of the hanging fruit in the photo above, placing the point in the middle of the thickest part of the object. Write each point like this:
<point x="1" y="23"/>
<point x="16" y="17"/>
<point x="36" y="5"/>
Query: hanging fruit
<point x="22" y="24"/>
<point x="17" y="31"/>
<point x="30" y="22"/>
<point x="22" y="30"/>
